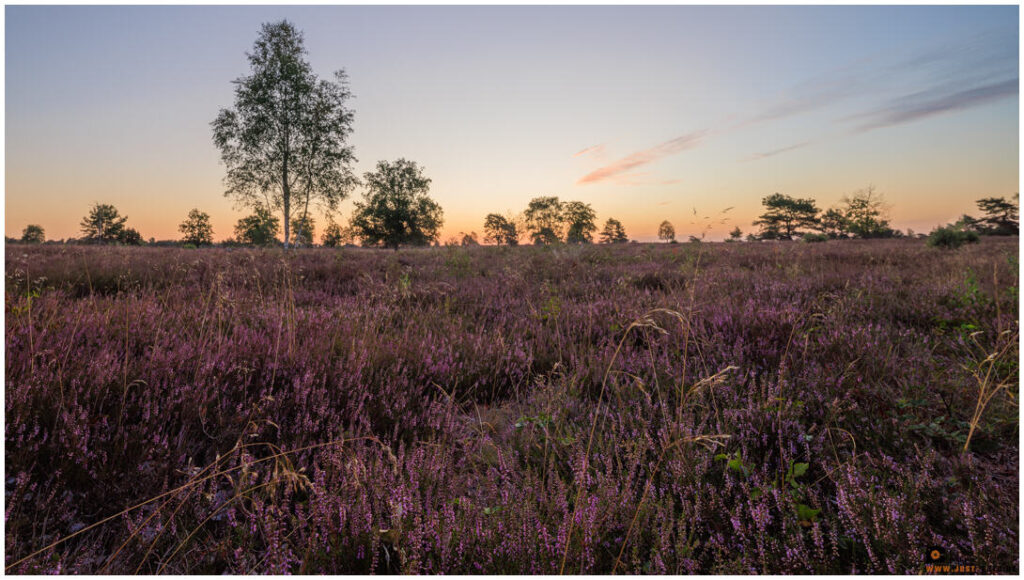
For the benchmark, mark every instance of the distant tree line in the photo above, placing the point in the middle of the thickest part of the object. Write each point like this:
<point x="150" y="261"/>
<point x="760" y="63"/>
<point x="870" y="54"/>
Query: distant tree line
<point x="396" y="211"/>
<point x="860" y="215"/>
<point x="864" y="215"/>
<point x="548" y="220"/>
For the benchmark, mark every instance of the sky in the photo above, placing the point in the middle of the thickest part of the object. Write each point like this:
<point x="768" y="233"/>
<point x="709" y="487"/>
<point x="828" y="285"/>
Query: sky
<point x="656" y="113"/>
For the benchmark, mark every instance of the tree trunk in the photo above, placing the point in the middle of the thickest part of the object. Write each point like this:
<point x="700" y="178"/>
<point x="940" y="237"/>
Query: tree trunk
<point x="286" y="198"/>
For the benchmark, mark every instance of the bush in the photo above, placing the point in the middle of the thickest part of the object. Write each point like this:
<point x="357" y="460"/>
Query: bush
<point x="951" y="237"/>
<point x="811" y="238"/>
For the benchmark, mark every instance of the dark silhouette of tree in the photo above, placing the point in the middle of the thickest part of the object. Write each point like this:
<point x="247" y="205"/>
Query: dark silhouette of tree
<point x="500" y="230"/>
<point x="469" y="239"/>
<point x="196" y="229"/>
<point x="666" y="232"/>
<point x="284" y="141"/>
<point x="833" y="224"/>
<point x="865" y="215"/>
<point x="104" y="225"/>
<point x="33" y="234"/>
<point x="259" y="229"/>
<point x="736" y="234"/>
<point x="580" y="218"/>
<point x="130" y="237"/>
<point x="334" y="235"/>
<point x="543" y="218"/>
<point x="304" y="229"/>
<point x="613" y="232"/>
<point x="396" y="209"/>
<point x="1001" y="217"/>
<point x="785" y="216"/>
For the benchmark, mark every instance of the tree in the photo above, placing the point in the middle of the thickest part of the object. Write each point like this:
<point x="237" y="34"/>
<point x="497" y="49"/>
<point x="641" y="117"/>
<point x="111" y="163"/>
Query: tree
<point x="103" y="225"/>
<point x="197" y="229"/>
<point x="666" y="232"/>
<point x="1001" y="217"/>
<point x="865" y="215"/>
<point x="33" y="234"/>
<point x="500" y="230"/>
<point x="735" y="235"/>
<point x="613" y="232"/>
<point x="259" y="229"/>
<point x="286" y="135"/>
<point x="334" y="235"/>
<point x="833" y="224"/>
<point x="785" y="216"/>
<point x="396" y="209"/>
<point x="580" y="219"/>
<point x="304" y="228"/>
<point x="544" y="218"/>
<point x="469" y="239"/>
<point x="130" y="237"/>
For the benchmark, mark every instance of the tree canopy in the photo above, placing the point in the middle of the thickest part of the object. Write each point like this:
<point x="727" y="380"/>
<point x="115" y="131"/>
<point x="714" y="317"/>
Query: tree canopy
<point x="864" y="215"/>
<point x="396" y="209"/>
<point x="666" y="232"/>
<point x="543" y="219"/>
<point x="785" y="216"/>
<point x="259" y="229"/>
<point x="105" y="225"/>
<point x="1001" y="217"/>
<point x="33" y="234"/>
<point x="500" y="230"/>
<point x="286" y="136"/>
<point x="613" y="232"/>
<point x="334" y="235"/>
<point x="196" y="229"/>
<point x="579" y="218"/>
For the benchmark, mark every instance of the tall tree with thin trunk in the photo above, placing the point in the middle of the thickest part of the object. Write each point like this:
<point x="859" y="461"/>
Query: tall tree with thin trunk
<point x="284" y="142"/>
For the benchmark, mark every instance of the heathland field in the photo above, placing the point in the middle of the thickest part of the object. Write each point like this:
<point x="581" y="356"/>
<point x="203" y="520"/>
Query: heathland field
<point x="838" y="407"/>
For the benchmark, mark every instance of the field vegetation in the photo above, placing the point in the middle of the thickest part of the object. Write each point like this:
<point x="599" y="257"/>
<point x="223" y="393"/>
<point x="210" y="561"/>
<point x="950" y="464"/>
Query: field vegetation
<point x="782" y="407"/>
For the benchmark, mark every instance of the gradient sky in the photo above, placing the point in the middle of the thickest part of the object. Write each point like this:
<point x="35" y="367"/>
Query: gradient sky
<point x="646" y="113"/>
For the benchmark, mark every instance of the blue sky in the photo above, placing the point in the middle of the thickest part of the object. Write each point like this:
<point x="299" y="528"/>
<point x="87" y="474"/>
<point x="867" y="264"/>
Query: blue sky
<point x="647" y="113"/>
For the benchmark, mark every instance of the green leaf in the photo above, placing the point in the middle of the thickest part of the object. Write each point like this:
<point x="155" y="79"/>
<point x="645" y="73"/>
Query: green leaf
<point x="721" y="457"/>
<point x="806" y="513"/>
<point x="799" y="469"/>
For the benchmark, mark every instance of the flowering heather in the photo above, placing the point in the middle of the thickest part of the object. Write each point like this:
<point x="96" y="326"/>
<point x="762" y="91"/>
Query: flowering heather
<point x="697" y="408"/>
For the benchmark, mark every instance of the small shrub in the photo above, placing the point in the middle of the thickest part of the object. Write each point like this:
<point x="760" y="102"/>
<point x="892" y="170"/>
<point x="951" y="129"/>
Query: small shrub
<point x="814" y="238"/>
<point x="951" y="237"/>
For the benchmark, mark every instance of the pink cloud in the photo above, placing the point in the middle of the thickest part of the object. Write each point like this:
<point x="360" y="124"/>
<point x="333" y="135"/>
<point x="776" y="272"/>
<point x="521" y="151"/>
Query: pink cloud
<point x="597" y="150"/>
<point x="643" y="157"/>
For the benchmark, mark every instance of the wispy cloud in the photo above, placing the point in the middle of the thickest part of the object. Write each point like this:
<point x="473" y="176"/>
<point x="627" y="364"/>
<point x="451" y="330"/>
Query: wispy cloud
<point x="757" y="156"/>
<point x="810" y="96"/>
<point x="597" y="150"/>
<point x="981" y="62"/>
<point x="929" y="103"/>
<point x="644" y="157"/>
